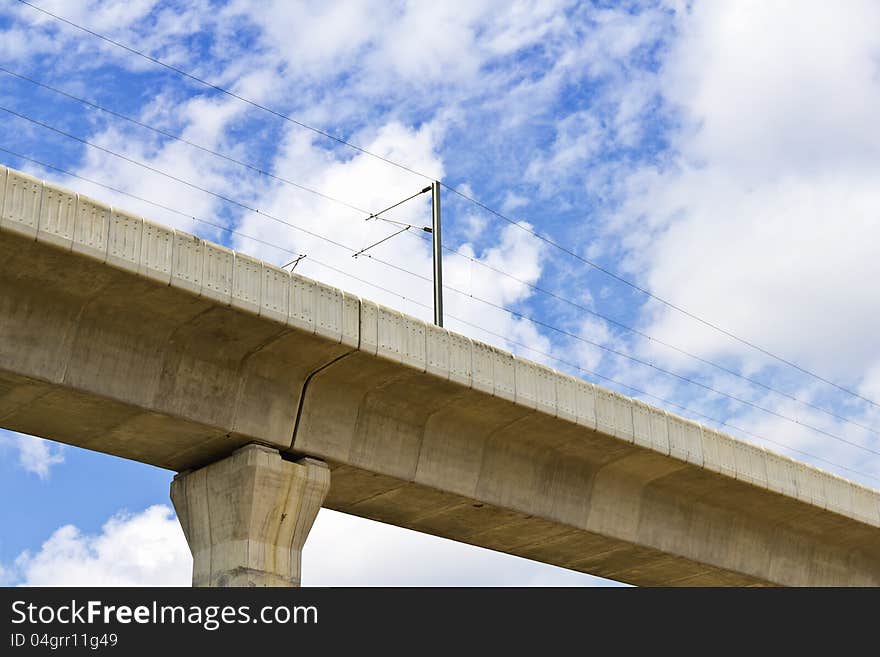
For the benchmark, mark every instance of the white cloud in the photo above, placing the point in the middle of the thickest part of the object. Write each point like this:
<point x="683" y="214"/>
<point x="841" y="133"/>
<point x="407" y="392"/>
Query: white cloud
<point x="34" y="33"/>
<point x="596" y="331"/>
<point x="149" y="549"/>
<point x="871" y="384"/>
<point x="394" y="47"/>
<point x="140" y="549"/>
<point x="35" y="455"/>
<point x="763" y="217"/>
<point x="579" y="136"/>
<point x="771" y="198"/>
<point x="102" y="15"/>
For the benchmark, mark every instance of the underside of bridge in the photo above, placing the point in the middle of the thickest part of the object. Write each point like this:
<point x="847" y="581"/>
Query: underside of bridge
<point x="272" y="394"/>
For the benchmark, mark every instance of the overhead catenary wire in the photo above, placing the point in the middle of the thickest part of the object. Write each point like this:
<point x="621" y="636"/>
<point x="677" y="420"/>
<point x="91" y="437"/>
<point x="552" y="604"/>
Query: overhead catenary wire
<point x="148" y="167"/>
<point x="662" y="400"/>
<point x="644" y="363"/>
<point x="574" y="366"/>
<point x="663" y="343"/>
<point x="223" y="90"/>
<point x="425" y="278"/>
<point x="683" y="379"/>
<point x="660" y="299"/>
<point x="210" y="151"/>
<point x="451" y="250"/>
<point x="463" y="195"/>
<point x="188" y="142"/>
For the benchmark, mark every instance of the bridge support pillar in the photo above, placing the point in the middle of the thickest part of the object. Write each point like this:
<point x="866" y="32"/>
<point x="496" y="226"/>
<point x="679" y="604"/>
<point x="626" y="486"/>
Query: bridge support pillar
<point x="247" y="517"/>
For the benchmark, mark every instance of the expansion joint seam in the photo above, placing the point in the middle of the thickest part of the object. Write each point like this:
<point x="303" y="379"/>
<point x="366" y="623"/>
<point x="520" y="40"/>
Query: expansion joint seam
<point x="304" y="391"/>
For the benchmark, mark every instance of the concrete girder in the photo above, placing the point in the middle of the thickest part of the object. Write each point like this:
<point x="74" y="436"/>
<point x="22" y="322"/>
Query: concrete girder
<point x="130" y="338"/>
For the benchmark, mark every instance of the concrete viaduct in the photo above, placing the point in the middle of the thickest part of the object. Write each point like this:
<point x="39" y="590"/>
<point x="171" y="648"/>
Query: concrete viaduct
<point x="272" y="395"/>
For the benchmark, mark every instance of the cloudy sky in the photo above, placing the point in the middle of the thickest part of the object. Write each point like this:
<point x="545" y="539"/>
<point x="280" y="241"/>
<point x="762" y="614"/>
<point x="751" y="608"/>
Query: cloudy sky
<point x="721" y="155"/>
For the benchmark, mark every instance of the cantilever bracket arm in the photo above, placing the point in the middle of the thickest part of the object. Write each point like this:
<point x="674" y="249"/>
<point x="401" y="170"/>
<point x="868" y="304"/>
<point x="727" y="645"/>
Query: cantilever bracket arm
<point x="384" y="239"/>
<point x="375" y="215"/>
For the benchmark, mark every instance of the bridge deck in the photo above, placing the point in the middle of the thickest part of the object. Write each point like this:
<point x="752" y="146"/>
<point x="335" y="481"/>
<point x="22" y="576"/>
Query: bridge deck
<point x="130" y="338"/>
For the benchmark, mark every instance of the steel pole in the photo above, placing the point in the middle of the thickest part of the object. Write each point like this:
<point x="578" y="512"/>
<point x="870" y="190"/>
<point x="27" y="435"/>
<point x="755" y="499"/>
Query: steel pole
<point x="438" y="254"/>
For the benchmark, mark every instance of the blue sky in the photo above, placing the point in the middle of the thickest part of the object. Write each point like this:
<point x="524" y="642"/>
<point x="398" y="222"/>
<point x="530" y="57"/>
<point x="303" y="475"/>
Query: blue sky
<point x="722" y="155"/>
